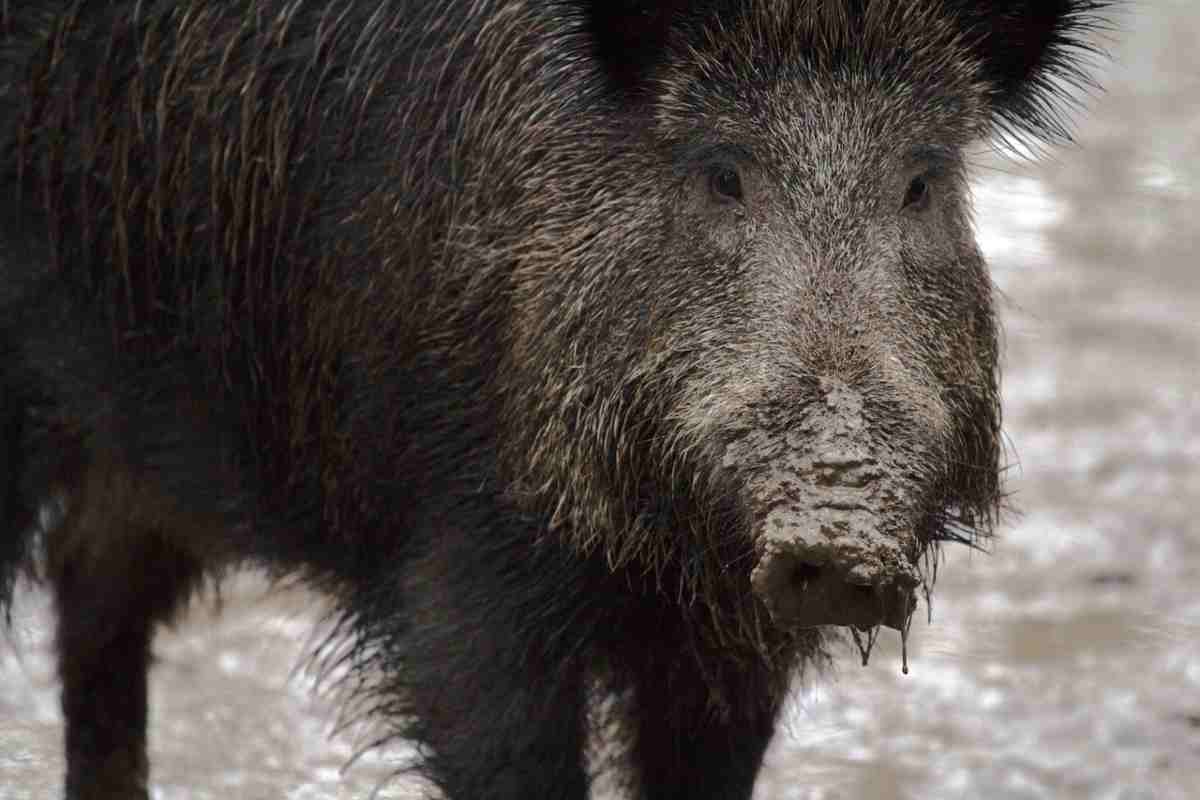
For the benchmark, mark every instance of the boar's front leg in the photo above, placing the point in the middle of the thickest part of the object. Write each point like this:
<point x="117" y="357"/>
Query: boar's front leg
<point x="111" y="585"/>
<point x="690" y="743"/>
<point x="124" y="465"/>
<point x="493" y="664"/>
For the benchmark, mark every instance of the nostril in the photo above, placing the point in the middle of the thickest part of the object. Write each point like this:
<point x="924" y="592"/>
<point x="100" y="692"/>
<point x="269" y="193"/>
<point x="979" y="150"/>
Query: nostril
<point x="803" y="574"/>
<point x="806" y="587"/>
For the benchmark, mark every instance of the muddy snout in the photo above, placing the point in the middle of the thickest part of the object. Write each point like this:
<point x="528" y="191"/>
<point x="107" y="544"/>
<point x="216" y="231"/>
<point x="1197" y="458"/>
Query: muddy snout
<point x="834" y="507"/>
<point x="808" y="577"/>
<point x="834" y="545"/>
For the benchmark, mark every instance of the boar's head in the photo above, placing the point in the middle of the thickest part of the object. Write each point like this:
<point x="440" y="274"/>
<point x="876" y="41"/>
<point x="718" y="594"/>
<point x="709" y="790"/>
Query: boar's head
<point x="753" y="349"/>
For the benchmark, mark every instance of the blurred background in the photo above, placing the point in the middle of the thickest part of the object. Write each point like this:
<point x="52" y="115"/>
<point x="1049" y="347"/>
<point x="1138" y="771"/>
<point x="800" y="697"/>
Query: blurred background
<point x="1065" y="663"/>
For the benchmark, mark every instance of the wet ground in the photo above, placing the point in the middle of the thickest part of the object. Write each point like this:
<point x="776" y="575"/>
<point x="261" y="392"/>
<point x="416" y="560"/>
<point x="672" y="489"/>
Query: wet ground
<point x="1064" y="664"/>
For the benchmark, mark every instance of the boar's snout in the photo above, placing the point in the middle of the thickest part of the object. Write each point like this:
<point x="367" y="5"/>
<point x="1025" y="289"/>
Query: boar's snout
<point x="809" y="585"/>
<point x="837" y="554"/>
<point x="836" y="521"/>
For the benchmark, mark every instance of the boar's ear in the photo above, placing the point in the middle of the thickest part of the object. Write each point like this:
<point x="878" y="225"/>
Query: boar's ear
<point x="630" y="35"/>
<point x="1032" y="51"/>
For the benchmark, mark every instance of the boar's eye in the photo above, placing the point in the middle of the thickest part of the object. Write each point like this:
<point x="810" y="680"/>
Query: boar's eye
<point x="917" y="196"/>
<point x="725" y="183"/>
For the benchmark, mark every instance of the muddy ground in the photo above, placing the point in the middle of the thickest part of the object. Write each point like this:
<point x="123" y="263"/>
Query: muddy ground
<point x="1064" y="664"/>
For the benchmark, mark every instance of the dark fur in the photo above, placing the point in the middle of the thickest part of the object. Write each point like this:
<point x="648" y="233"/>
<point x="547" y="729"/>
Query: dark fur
<point x="428" y="303"/>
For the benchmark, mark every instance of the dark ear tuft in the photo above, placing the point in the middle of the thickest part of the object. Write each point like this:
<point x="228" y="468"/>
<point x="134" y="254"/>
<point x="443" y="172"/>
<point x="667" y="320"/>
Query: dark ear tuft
<point x="630" y="35"/>
<point x="1031" y="51"/>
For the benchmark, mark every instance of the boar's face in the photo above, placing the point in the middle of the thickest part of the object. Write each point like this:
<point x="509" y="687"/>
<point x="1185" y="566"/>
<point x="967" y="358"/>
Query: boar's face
<point x="829" y="312"/>
<point x="768" y="357"/>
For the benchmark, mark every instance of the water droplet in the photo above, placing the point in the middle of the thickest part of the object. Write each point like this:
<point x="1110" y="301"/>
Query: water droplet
<point x="904" y="641"/>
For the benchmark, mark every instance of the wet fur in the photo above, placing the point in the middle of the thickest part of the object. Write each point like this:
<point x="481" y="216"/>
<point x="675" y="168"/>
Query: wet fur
<point x="330" y="289"/>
